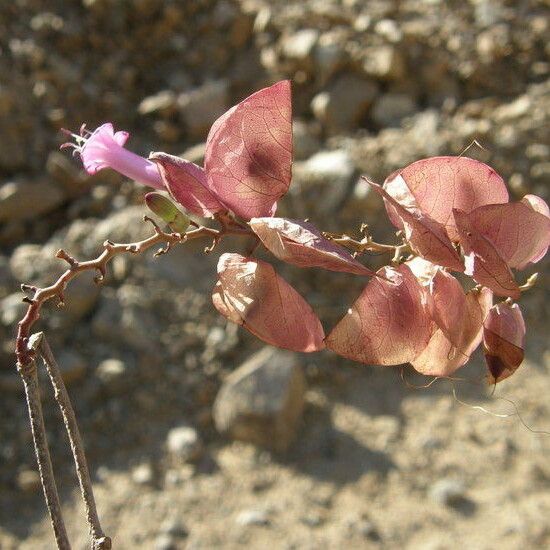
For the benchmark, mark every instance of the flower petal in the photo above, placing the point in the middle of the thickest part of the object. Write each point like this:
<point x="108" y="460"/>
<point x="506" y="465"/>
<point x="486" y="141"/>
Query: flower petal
<point x="388" y="324"/>
<point x="439" y="184"/>
<point x="187" y="184"/>
<point x="503" y="340"/>
<point x="248" y="156"/>
<point x="301" y="243"/>
<point x="249" y="292"/>
<point x="483" y="261"/>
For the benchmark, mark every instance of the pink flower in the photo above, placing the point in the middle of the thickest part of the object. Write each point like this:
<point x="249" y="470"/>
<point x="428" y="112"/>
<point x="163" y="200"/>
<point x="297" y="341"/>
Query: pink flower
<point x="104" y="148"/>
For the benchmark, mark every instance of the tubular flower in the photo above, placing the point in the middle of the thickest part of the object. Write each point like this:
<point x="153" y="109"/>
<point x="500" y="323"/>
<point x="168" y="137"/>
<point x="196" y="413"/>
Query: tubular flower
<point x="104" y="148"/>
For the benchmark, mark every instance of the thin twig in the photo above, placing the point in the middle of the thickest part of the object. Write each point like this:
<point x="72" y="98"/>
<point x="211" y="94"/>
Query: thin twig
<point x="99" y="264"/>
<point x="47" y="478"/>
<point x="98" y="539"/>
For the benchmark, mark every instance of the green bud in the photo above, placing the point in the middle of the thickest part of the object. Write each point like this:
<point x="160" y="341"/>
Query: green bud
<point x="165" y="209"/>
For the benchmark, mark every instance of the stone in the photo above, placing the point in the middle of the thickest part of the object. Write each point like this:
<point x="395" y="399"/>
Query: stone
<point x="305" y="143"/>
<point x="111" y="371"/>
<point x="300" y="45"/>
<point x="201" y="106"/>
<point x="31" y="263"/>
<point x="184" y="443"/>
<point x="322" y="182"/>
<point x="329" y="56"/>
<point x="26" y="201"/>
<point x="28" y="481"/>
<point x="163" y="102"/>
<point x="262" y="401"/>
<point x="384" y="62"/>
<point x="165" y="542"/>
<point x="343" y="106"/>
<point x="447" y="492"/>
<point x="391" y="108"/>
<point x="12" y="309"/>
<point x="250" y="517"/>
<point x="143" y="474"/>
<point x="72" y="366"/>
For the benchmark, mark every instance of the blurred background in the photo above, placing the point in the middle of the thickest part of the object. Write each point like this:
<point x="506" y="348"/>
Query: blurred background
<point x="334" y="454"/>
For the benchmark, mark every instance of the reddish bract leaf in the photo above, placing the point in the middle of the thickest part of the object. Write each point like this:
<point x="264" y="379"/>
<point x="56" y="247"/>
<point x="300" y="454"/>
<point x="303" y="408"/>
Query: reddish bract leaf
<point x="301" y="243"/>
<point x="503" y="340"/>
<point x="426" y="236"/>
<point x="537" y="204"/>
<point x="248" y="156"/>
<point x="388" y="324"/>
<point x="187" y="184"/>
<point x="439" y="184"/>
<point x="520" y="234"/>
<point x="483" y="261"/>
<point x="441" y="357"/>
<point x="250" y="293"/>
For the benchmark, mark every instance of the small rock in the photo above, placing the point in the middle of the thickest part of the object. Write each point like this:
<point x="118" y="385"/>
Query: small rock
<point x="343" y="106"/>
<point x="385" y="62"/>
<point x="173" y="527"/>
<point x="162" y="102"/>
<point x="447" y="491"/>
<point x="389" y="29"/>
<point x="262" y="401"/>
<point x="202" y="106"/>
<point x="28" y="481"/>
<point x="143" y="474"/>
<point x="305" y="143"/>
<point x="391" y="108"/>
<point x="12" y="309"/>
<point x="322" y="182"/>
<point x="299" y="46"/>
<point x="252" y="517"/>
<point x="184" y="443"/>
<point x="25" y="201"/>
<point x="195" y="153"/>
<point x="329" y="56"/>
<point x="72" y="366"/>
<point x="110" y="370"/>
<point x="165" y="542"/>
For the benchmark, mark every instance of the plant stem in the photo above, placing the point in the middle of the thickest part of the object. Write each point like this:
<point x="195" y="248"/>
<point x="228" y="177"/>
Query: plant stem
<point x="98" y="539"/>
<point x="32" y="394"/>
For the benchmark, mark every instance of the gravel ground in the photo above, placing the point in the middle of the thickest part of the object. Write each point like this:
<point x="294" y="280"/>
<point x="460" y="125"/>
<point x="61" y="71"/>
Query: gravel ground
<point x="374" y="463"/>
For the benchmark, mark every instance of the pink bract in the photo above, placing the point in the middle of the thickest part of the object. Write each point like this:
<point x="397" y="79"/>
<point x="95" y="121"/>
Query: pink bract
<point x="250" y="293"/>
<point x="388" y="324"/>
<point x="248" y="159"/>
<point x="440" y="184"/>
<point x="503" y="340"/>
<point x="302" y="244"/>
<point x="187" y="183"/>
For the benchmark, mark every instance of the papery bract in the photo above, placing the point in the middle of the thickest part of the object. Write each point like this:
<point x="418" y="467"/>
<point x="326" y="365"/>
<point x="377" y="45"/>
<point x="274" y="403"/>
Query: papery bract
<point x="503" y="340"/>
<point x="439" y="184"/>
<point x="250" y="293"/>
<point x="248" y="157"/>
<point x="441" y="357"/>
<point x="388" y="324"/>
<point x="483" y="261"/>
<point x="187" y="183"/>
<point x="427" y="237"/>
<point x="520" y="234"/>
<point x="104" y="148"/>
<point x="302" y="244"/>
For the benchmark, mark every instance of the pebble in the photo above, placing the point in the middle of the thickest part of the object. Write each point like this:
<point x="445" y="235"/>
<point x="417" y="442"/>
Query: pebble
<point x="25" y="201"/>
<point x="184" y="443"/>
<point x="28" y="481"/>
<point x="252" y="517"/>
<point x="143" y="474"/>
<point x="447" y="492"/>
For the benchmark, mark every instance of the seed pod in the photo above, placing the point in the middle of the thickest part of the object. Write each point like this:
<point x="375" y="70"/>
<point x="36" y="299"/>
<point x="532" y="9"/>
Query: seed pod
<point x="165" y="209"/>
